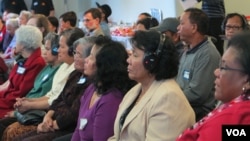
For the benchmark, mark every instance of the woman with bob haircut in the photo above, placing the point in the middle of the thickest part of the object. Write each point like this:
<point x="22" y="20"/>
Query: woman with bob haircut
<point x="232" y="88"/>
<point x="99" y="103"/>
<point x="23" y="74"/>
<point x="156" y="108"/>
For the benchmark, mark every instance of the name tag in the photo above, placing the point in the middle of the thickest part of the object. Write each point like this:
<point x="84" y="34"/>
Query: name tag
<point x="186" y="74"/>
<point x="81" y="80"/>
<point x="83" y="123"/>
<point x="45" y="77"/>
<point x="20" y="70"/>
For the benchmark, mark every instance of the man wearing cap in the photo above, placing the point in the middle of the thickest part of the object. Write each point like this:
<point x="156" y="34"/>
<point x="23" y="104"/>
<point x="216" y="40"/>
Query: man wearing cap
<point x="106" y="12"/>
<point x="169" y="27"/>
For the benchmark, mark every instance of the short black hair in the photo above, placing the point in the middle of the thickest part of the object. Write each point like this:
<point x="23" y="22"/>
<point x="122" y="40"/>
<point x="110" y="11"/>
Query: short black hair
<point x="111" y="66"/>
<point x="168" y="59"/>
<point x="148" y="22"/>
<point x="146" y="14"/>
<point x="54" y="21"/>
<point x="200" y="18"/>
<point x="69" y="16"/>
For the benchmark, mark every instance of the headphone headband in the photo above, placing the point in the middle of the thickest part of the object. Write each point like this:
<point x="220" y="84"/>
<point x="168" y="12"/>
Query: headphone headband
<point x="160" y="46"/>
<point x="151" y="58"/>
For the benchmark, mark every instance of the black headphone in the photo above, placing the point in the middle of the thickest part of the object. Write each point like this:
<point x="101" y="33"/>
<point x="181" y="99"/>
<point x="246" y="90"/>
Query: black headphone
<point x="244" y="21"/>
<point x="55" y="45"/>
<point x="151" y="59"/>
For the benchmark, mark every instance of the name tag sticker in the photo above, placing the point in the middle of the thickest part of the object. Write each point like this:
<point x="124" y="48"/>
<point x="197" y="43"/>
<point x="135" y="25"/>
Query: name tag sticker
<point x="20" y="70"/>
<point x="81" y="80"/>
<point x="83" y="123"/>
<point x="45" y="77"/>
<point x="186" y="74"/>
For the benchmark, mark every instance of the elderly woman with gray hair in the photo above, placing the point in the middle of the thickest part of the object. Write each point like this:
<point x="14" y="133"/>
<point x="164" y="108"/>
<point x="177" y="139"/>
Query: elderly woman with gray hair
<point x="29" y="64"/>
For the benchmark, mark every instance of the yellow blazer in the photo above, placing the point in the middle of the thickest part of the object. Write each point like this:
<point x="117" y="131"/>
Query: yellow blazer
<point x="161" y="114"/>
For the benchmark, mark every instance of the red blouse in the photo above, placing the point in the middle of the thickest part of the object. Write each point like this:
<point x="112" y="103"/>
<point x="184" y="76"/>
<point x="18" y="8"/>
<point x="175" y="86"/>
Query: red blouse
<point x="209" y="128"/>
<point x="21" y="81"/>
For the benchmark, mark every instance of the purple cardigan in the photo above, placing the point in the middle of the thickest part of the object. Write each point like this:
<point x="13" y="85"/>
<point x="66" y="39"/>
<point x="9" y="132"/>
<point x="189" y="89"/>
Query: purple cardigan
<point x="96" y="123"/>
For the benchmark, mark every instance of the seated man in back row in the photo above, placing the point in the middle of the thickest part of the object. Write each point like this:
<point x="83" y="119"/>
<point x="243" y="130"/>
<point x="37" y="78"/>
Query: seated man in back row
<point x="197" y="64"/>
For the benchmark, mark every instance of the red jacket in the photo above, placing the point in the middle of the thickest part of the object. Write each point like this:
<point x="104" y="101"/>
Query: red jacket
<point x="21" y="83"/>
<point x="3" y="71"/>
<point x="211" y="129"/>
<point x="2" y="33"/>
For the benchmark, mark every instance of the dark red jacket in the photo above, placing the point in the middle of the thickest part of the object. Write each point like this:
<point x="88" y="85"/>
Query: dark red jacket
<point x="3" y="71"/>
<point x="21" y="84"/>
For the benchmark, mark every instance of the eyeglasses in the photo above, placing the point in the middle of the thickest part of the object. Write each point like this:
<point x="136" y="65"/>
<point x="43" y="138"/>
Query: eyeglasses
<point x="77" y="54"/>
<point x="230" y="69"/>
<point x="233" y="27"/>
<point x="87" y="20"/>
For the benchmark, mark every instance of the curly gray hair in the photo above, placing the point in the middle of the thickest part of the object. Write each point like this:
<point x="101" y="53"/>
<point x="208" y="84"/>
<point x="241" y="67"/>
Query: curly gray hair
<point x="29" y="36"/>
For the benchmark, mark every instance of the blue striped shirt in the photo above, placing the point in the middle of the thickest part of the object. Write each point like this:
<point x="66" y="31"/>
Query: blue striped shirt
<point x="214" y="8"/>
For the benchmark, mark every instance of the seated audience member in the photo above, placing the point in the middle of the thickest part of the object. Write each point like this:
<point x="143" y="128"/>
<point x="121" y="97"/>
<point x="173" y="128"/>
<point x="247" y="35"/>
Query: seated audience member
<point x="8" y="15"/>
<point x="2" y="32"/>
<point x="43" y="81"/>
<point x="65" y="54"/>
<point x="146" y="24"/>
<point x="53" y="24"/>
<point x="9" y="39"/>
<point x="41" y="22"/>
<point x="168" y="26"/>
<point x="11" y="16"/>
<point x="234" y="23"/>
<point x="143" y="15"/>
<point x="24" y="16"/>
<point x="4" y="71"/>
<point x="106" y="62"/>
<point x="156" y="105"/>
<point x="91" y="20"/>
<point x="44" y="7"/>
<point x="106" y="12"/>
<point x="197" y="63"/>
<point x="232" y="89"/>
<point x="61" y="117"/>
<point x="22" y="75"/>
<point x="67" y="21"/>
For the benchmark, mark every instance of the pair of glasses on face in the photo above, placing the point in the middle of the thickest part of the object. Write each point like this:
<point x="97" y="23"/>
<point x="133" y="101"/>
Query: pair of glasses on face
<point x="226" y="68"/>
<point x="228" y="27"/>
<point x="87" y="20"/>
<point x="77" y="54"/>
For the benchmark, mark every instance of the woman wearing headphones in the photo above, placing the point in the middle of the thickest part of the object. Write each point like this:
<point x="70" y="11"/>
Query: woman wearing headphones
<point x="156" y="108"/>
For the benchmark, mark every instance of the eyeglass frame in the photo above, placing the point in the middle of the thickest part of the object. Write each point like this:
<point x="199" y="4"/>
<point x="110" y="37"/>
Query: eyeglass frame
<point x="228" y="27"/>
<point x="230" y="69"/>
<point x="77" y="54"/>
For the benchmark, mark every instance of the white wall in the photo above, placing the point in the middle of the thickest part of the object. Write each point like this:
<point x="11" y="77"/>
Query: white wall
<point x="128" y="10"/>
<point x="62" y="6"/>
